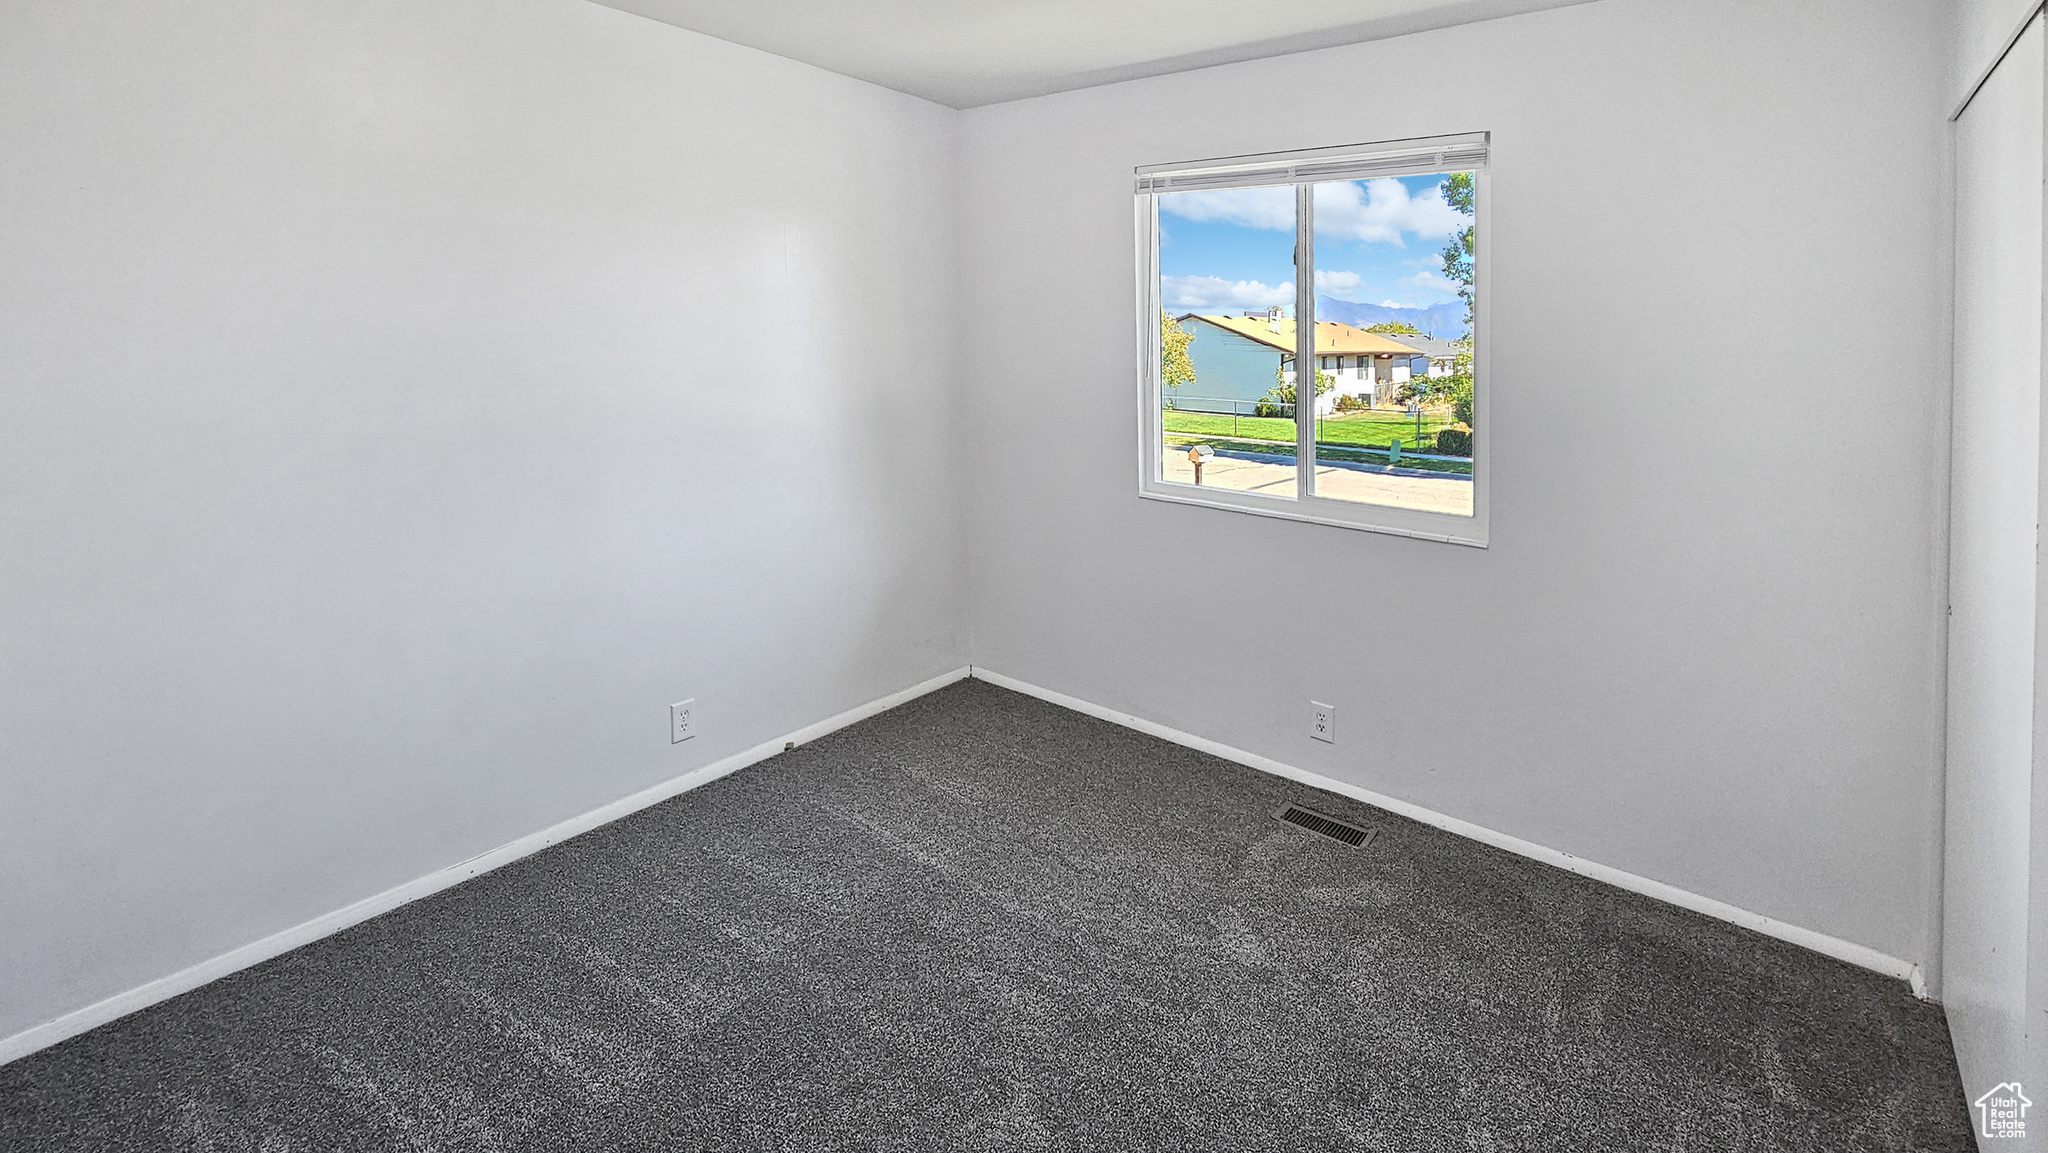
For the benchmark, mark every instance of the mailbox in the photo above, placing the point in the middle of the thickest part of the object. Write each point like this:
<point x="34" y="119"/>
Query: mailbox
<point x="1199" y="455"/>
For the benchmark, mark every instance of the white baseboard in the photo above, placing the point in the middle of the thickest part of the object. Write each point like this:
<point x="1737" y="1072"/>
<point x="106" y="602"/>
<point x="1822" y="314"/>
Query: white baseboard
<point x="1853" y="953"/>
<point x="164" y="988"/>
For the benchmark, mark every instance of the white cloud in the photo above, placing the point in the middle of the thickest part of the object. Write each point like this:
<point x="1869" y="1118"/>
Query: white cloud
<point x="1377" y="211"/>
<point x="1333" y="281"/>
<point x="1391" y="303"/>
<point x="1381" y="210"/>
<point x="1434" y="283"/>
<point x="1269" y="208"/>
<point x="1215" y="294"/>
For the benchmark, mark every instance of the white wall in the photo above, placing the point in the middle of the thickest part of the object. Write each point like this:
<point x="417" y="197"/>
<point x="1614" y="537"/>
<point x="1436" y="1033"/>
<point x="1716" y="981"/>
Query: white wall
<point x="400" y="405"/>
<point x="1993" y="578"/>
<point x="1982" y="30"/>
<point x="1995" y="585"/>
<point x="1705" y="650"/>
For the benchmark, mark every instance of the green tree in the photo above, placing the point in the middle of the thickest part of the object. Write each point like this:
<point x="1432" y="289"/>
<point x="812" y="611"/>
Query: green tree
<point x="1458" y="385"/>
<point x="1454" y="389"/>
<point x="1457" y="190"/>
<point x="1283" y="393"/>
<point x="1430" y="391"/>
<point x="1175" y="369"/>
<point x="1395" y="328"/>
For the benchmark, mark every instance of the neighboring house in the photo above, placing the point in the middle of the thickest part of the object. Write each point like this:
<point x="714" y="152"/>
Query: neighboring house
<point x="1441" y="355"/>
<point x="1235" y="358"/>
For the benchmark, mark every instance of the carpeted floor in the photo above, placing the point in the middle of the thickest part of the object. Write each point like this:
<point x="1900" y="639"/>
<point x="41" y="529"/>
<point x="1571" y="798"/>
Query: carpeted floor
<point x="983" y="922"/>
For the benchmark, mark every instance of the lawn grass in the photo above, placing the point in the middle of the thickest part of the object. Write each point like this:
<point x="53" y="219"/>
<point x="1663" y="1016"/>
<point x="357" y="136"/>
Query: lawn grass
<point x="1373" y="428"/>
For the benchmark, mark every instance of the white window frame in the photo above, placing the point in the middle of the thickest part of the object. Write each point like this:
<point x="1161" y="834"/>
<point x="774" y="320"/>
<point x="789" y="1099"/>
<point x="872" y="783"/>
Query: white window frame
<point x="1304" y="170"/>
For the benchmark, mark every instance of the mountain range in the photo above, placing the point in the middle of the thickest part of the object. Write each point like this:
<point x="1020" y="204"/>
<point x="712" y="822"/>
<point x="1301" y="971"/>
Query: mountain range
<point x="1444" y="321"/>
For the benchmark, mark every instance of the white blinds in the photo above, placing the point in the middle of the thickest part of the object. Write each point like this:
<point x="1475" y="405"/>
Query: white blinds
<point x="1429" y="154"/>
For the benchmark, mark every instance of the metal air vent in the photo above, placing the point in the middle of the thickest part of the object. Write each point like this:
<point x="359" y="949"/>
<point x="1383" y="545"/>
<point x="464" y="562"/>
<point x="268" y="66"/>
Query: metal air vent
<point x="1357" y="836"/>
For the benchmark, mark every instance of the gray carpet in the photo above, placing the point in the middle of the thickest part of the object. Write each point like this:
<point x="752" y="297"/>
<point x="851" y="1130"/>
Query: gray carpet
<point x="983" y="922"/>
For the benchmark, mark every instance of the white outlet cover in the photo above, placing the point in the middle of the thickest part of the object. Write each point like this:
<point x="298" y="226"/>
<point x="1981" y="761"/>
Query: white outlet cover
<point x="1322" y="721"/>
<point x="682" y="721"/>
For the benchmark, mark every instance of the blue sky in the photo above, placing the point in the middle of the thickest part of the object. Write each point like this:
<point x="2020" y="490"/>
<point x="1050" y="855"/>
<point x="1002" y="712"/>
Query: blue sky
<point x="1377" y="242"/>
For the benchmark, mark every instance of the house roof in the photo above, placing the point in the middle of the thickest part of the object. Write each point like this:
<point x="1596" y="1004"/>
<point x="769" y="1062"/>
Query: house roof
<point x="1435" y="349"/>
<point x="1332" y="339"/>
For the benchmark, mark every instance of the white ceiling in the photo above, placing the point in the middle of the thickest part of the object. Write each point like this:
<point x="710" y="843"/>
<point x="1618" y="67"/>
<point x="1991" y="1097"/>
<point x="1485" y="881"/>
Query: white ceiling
<point x="969" y="52"/>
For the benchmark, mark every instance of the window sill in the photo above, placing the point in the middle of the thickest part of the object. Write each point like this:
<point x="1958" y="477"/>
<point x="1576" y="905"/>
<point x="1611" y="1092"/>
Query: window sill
<point x="1336" y="514"/>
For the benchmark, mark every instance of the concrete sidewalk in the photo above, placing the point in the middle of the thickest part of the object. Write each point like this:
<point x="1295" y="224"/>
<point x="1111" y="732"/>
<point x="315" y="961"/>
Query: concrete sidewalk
<point x="1397" y="490"/>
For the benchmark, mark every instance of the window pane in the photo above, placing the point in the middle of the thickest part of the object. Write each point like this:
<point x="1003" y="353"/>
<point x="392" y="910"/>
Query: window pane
<point x="1226" y="283"/>
<point x="1393" y="261"/>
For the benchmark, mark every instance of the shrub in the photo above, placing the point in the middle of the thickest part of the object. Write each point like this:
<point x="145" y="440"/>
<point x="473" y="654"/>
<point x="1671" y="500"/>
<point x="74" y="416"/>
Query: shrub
<point x="1350" y="403"/>
<point x="1454" y="442"/>
<point x="1461" y="400"/>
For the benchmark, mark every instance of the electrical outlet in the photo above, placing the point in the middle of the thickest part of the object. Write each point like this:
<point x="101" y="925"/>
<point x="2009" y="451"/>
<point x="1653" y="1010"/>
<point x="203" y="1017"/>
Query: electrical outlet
<point x="682" y="721"/>
<point x="1322" y="723"/>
